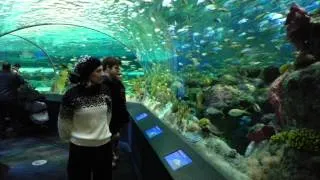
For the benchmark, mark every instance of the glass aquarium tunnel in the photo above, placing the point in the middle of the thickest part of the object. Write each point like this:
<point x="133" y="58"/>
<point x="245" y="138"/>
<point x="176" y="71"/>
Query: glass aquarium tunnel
<point x="46" y="58"/>
<point x="225" y="74"/>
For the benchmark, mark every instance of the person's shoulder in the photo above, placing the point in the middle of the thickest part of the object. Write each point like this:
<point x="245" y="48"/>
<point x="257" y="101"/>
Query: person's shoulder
<point x="105" y="87"/>
<point x="117" y="82"/>
<point x="2" y="73"/>
<point x="15" y="77"/>
<point x="106" y="80"/>
<point x="18" y="76"/>
<point x="72" y="91"/>
<point x="120" y="84"/>
<point x="110" y="82"/>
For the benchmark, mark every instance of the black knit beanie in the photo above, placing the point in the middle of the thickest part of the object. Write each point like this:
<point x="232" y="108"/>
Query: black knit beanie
<point x="84" y="68"/>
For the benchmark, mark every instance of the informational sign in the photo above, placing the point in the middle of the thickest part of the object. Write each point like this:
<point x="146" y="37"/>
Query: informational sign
<point x="154" y="131"/>
<point x="141" y="116"/>
<point x="177" y="159"/>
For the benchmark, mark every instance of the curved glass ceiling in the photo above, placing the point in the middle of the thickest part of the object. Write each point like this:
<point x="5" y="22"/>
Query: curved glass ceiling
<point x="113" y="18"/>
<point x="60" y="44"/>
<point x="246" y="32"/>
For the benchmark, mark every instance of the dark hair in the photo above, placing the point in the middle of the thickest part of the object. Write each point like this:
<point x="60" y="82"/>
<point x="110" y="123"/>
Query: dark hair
<point x="110" y="62"/>
<point x="6" y="66"/>
<point x="83" y="69"/>
<point x="74" y="78"/>
<point x="17" y="65"/>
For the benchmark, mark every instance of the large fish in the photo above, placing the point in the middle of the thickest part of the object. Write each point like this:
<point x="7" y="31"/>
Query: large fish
<point x="237" y="112"/>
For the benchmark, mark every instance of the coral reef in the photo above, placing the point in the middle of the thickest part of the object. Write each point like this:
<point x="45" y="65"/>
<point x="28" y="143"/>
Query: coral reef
<point x="295" y="95"/>
<point x="225" y="159"/>
<point x="261" y="167"/>
<point x="197" y="95"/>
<point x="270" y="73"/>
<point x="296" y="165"/>
<point x="278" y="161"/>
<point x="303" y="33"/>
<point x="219" y="96"/>
<point x="204" y="123"/>
<point x="300" y="139"/>
<point x="301" y="98"/>
<point x="276" y="99"/>
<point x="138" y="87"/>
<point x="285" y="68"/>
<point x="260" y="132"/>
<point x="208" y="128"/>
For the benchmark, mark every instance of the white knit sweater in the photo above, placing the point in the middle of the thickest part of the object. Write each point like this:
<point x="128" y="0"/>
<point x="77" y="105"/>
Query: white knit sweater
<point x="85" y="115"/>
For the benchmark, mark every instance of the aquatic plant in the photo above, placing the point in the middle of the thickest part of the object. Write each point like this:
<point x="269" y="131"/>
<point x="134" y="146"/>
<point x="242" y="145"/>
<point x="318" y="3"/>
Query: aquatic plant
<point x="301" y="139"/>
<point x="157" y="84"/>
<point x="200" y="99"/>
<point x="138" y="87"/>
<point x="61" y="82"/>
<point x="192" y="127"/>
<point x="229" y="79"/>
<point x="285" y="68"/>
<point x="204" y="123"/>
<point x="206" y="81"/>
<point x="175" y="107"/>
<point x="182" y="113"/>
<point x="195" y="78"/>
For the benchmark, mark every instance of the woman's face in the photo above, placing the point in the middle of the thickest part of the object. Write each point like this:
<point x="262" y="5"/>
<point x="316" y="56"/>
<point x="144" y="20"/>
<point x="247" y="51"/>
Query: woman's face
<point x="96" y="76"/>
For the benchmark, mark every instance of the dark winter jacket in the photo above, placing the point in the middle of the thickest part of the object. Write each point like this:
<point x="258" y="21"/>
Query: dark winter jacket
<point x="9" y="84"/>
<point x="120" y="115"/>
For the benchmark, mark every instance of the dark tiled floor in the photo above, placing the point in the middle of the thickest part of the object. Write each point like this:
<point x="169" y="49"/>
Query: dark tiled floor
<point x="19" y="153"/>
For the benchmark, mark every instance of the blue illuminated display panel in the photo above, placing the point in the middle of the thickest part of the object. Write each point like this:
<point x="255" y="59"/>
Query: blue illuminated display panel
<point x="154" y="131"/>
<point x="177" y="159"/>
<point x="141" y="116"/>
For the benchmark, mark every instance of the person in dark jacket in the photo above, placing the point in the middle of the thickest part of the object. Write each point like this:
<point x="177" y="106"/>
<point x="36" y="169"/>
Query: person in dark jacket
<point x="16" y="68"/>
<point x="9" y="85"/>
<point x="120" y="115"/>
<point x="83" y="121"/>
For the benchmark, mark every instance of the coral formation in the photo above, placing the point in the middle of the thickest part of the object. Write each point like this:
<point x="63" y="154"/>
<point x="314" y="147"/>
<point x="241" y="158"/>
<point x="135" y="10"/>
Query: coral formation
<point x="276" y="99"/>
<point x="204" y="123"/>
<point x="301" y="139"/>
<point x="260" y="132"/>
<point x="263" y="161"/>
<point x="303" y="33"/>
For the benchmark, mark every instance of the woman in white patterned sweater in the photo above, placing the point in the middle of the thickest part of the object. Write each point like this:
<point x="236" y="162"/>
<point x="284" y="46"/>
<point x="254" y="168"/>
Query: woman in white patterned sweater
<point x="83" y="121"/>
